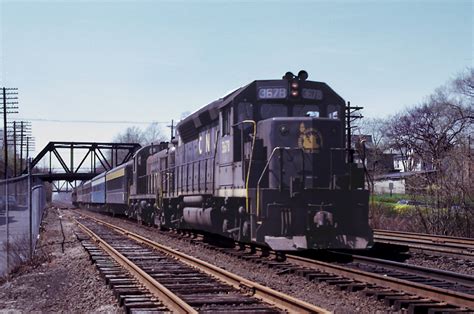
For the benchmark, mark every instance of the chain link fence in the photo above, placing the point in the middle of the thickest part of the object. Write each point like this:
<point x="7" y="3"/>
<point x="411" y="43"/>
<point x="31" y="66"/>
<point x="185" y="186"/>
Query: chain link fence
<point x="22" y="201"/>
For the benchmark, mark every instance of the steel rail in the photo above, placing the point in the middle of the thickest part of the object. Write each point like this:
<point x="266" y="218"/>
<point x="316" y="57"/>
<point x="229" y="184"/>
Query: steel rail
<point x="268" y="295"/>
<point x="437" y="294"/>
<point x="460" y="247"/>
<point x="413" y="269"/>
<point x="441" y="239"/>
<point x="168" y="298"/>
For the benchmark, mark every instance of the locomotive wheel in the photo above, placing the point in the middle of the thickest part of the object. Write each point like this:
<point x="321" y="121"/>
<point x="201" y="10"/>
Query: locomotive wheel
<point x="225" y="226"/>
<point x="159" y="220"/>
<point x="245" y="231"/>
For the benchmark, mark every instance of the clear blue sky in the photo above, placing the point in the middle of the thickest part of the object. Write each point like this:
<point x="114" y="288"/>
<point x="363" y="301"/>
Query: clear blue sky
<point x="152" y="61"/>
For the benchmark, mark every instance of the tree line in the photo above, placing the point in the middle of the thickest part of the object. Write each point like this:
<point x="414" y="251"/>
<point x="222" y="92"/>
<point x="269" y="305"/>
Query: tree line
<point x="436" y="137"/>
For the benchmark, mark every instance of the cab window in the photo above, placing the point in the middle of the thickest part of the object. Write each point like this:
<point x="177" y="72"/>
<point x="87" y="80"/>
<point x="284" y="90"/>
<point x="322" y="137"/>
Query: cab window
<point x="226" y="121"/>
<point x="268" y="111"/>
<point x="306" y="111"/>
<point x="244" y="112"/>
<point x="333" y="112"/>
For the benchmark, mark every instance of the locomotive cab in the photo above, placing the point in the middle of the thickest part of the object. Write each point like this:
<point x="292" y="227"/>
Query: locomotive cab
<point x="304" y="193"/>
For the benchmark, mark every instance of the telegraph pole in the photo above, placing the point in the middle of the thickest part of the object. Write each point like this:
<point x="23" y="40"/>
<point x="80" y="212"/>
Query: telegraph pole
<point x="14" y="148"/>
<point x="18" y="132"/>
<point x="30" y="146"/>
<point x="10" y="102"/>
<point x="5" y="146"/>
<point x="21" y="145"/>
<point x="351" y="115"/>
<point x="172" y="129"/>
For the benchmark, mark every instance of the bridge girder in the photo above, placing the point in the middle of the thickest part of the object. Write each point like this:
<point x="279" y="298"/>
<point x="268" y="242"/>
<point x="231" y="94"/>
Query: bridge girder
<point x="119" y="153"/>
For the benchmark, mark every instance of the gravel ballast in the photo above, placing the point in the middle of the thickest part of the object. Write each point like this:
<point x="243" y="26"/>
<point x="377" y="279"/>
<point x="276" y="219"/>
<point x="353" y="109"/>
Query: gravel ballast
<point x="57" y="281"/>
<point x="442" y="262"/>
<point x="320" y="294"/>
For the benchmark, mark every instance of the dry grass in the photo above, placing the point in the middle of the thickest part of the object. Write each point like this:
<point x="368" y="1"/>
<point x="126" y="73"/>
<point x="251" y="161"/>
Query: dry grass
<point x="19" y="256"/>
<point x="453" y="222"/>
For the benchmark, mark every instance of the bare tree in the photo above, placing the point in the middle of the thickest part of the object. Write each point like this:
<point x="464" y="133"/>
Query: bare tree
<point x="376" y="128"/>
<point x="437" y="134"/>
<point x="185" y="114"/>
<point x="153" y="134"/>
<point x="131" y="135"/>
<point x="371" y="145"/>
<point x="464" y="84"/>
<point x="400" y="141"/>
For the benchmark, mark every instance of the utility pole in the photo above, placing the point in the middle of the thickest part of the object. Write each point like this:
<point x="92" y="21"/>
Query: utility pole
<point x="30" y="145"/>
<point x="14" y="148"/>
<point x="16" y="134"/>
<point x="351" y="116"/>
<point x="9" y="102"/>
<point x="172" y="129"/>
<point x="21" y="146"/>
<point x="5" y="146"/>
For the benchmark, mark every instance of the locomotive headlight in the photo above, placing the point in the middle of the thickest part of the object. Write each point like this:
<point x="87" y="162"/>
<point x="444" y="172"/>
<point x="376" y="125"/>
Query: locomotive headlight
<point x="284" y="130"/>
<point x="294" y="88"/>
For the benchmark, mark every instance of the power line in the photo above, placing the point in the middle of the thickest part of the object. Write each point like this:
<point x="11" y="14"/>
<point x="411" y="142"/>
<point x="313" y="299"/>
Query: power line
<point x="94" y="121"/>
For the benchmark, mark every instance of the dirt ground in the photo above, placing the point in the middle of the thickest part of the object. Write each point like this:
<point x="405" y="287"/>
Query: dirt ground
<point x="60" y="278"/>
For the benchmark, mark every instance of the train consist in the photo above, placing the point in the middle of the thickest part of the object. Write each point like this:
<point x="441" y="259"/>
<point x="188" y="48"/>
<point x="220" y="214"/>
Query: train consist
<point x="267" y="164"/>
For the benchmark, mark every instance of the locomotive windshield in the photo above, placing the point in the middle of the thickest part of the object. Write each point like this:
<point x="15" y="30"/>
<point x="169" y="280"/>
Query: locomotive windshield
<point x="271" y="110"/>
<point x="306" y="111"/>
<point x="268" y="111"/>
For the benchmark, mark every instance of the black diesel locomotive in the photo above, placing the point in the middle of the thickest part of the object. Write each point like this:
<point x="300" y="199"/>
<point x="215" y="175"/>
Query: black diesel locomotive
<point x="266" y="164"/>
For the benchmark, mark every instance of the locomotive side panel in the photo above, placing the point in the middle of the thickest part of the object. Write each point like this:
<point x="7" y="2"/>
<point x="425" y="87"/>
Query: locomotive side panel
<point x="193" y="172"/>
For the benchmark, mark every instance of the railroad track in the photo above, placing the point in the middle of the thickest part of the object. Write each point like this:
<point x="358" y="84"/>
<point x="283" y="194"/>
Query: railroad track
<point x="458" y="247"/>
<point x="147" y="276"/>
<point x="402" y="286"/>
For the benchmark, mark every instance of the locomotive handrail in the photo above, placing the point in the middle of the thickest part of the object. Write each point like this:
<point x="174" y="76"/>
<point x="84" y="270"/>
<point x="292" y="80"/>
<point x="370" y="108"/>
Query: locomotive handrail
<point x="254" y="124"/>
<point x="214" y="163"/>
<point x="266" y="166"/>
<point x="263" y="172"/>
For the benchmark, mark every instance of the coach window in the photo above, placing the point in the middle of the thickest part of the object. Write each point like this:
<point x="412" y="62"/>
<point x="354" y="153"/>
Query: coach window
<point x="306" y="111"/>
<point x="226" y="121"/>
<point x="333" y="112"/>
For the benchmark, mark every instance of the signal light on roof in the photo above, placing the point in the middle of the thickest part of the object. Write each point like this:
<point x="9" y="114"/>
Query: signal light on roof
<point x="288" y="76"/>
<point x="303" y="75"/>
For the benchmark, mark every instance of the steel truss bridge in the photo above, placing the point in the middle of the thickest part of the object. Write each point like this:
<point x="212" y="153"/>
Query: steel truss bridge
<point x="78" y="161"/>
